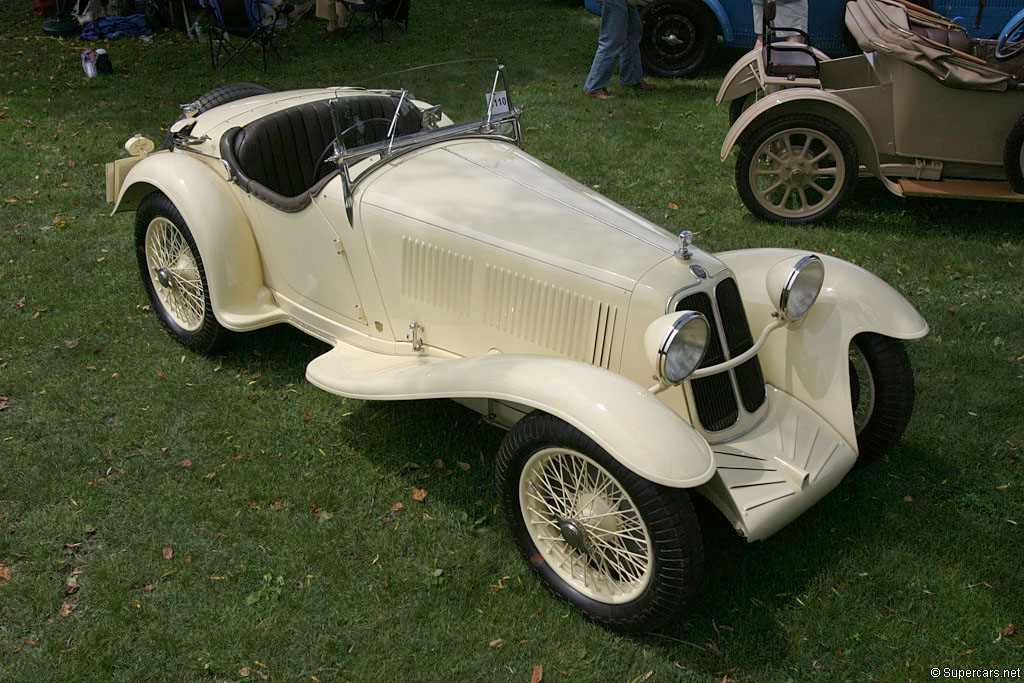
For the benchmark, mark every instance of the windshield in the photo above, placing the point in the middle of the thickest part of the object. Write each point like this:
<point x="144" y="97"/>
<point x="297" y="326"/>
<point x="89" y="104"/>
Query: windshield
<point x="376" y="119"/>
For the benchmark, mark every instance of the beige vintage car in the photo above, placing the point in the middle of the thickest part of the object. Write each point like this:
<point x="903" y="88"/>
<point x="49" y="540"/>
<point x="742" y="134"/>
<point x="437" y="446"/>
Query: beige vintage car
<point x="439" y="260"/>
<point x="926" y="109"/>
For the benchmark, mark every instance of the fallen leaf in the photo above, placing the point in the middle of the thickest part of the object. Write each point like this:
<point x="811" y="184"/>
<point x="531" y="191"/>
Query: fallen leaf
<point x="908" y="499"/>
<point x="439" y="464"/>
<point x="168" y="553"/>
<point x="396" y="507"/>
<point x="305" y="417"/>
<point x="244" y="672"/>
<point x="464" y="466"/>
<point x="419" y="494"/>
<point x="965" y="652"/>
<point x="1008" y="631"/>
<point x="674" y="207"/>
<point x="159" y="374"/>
<point x="3" y="403"/>
<point x="5" y="573"/>
<point x="66" y="608"/>
<point x="186" y="463"/>
<point x="497" y="642"/>
<point x="538" y="674"/>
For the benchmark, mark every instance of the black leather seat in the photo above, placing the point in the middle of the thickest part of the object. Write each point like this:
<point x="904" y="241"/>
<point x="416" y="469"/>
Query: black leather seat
<point x="790" y="59"/>
<point x="278" y="158"/>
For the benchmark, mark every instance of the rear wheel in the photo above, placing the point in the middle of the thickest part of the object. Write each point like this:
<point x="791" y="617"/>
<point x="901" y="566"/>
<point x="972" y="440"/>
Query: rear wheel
<point x="881" y="393"/>
<point x="1013" y="156"/>
<point x="678" y="37"/>
<point x="172" y="271"/>
<point x="795" y="169"/>
<point x="625" y="551"/>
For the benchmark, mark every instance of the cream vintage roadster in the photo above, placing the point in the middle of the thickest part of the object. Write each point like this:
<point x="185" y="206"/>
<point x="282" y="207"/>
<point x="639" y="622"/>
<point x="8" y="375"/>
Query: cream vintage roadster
<point x="439" y="260"/>
<point x="924" y="108"/>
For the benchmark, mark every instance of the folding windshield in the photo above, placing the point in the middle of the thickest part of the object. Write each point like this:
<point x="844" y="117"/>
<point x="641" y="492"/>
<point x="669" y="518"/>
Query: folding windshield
<point x="399" y="111"/>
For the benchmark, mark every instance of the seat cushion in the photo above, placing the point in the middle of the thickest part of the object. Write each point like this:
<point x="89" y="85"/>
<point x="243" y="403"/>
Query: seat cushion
<point x="790" y="60"/>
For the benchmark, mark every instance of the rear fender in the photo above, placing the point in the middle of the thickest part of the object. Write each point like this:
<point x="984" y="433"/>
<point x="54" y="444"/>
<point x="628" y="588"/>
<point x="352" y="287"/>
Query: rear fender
<point x="808" y="101"/>
<point x="632" y="424"/>
<point x="740" y="81"/>
<point x="723" y="19"/>
<point x="811" y="361"/>
<point x="221" y="231"/>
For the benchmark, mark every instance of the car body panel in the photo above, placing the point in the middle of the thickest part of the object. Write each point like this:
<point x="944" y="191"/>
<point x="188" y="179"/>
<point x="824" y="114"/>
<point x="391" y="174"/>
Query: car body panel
<point x="810" y="362"/>
<point x="628" y="421"/>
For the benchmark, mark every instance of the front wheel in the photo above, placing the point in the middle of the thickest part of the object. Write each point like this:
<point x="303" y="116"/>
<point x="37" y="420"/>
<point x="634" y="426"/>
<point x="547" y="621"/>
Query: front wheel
<point x="881" y="393"/>
<point x="173" y="273"/>
<point x="795" y="169"/>
<point x="625" y="551"/>
<point x="678" y="37"/>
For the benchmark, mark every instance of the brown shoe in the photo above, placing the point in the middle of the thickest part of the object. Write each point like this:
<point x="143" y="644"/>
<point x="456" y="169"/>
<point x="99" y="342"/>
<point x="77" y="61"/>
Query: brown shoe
<point x="643" y="85"/>
<point x="601" y="94"/>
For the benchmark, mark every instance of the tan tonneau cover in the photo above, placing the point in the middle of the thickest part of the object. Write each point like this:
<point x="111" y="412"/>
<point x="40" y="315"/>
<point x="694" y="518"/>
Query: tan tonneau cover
<point x="883" y="26"/>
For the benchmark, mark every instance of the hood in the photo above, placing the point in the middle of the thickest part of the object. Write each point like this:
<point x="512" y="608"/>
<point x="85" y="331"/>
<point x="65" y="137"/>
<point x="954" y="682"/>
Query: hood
<point x="494" y="192"/>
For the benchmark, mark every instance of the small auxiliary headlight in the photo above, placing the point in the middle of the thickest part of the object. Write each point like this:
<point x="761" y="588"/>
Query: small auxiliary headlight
<point x="675" y="344"/>
<point x="794" y="286"/>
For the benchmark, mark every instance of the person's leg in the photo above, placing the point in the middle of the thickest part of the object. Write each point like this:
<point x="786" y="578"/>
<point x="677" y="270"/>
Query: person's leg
<point x="609" y="45"/>
<point x="631" y="70"/>
<point x="792" y="15"/>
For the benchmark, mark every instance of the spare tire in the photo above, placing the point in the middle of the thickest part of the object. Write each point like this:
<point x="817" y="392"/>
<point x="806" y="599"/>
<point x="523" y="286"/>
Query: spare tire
<point x="1013" y="156"/>
<point x="221" y="95"/>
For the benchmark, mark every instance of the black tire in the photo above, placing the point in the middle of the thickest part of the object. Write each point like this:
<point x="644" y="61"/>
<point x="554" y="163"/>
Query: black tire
<point x="740" y="105"/>
<point x="1013" y="156"/>
<point x="177" y="286"/>
<point x="797" y="177"/>
<point x="222" y="95"/>
<point x="881" y="393"/>
<point x="678" y="37"/>
<point x="660" y="527"/>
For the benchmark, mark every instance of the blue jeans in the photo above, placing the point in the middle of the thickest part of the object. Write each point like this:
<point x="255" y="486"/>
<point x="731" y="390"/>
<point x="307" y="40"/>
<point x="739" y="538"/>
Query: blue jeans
<point x="621" y="31"/>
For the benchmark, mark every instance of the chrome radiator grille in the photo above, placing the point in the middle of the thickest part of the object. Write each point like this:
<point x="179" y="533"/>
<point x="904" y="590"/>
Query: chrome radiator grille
<point x="718" y="398"/>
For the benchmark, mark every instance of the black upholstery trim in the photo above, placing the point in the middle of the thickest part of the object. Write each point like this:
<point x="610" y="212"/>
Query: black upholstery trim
<point x="277" y="158"/>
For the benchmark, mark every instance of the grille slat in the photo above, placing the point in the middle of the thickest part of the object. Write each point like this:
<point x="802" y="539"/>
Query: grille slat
<point x="714" y="396"/>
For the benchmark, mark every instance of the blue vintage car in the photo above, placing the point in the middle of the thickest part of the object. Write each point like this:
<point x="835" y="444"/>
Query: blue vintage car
<point x="679" y="35"/>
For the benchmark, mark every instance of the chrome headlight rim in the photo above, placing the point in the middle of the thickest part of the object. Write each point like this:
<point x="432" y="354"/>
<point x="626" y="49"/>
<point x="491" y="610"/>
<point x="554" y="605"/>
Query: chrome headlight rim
<point x="809" y="266"/>
<point x="674" y="337"/>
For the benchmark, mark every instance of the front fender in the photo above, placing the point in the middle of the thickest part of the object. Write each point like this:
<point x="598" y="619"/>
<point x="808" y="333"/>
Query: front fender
<point x="809" y="101"/>
<point x="811" y="362"/>
<point x="221" y="231"/>
<point x="632" y="424"/>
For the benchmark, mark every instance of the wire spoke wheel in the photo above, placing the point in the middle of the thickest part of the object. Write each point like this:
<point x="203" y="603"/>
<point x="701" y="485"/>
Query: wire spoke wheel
<point x="795" y="169"/>
<point x="175" y="274"/>
<point x="881" y="393"/>
<point x="623" y="550"/>
<point x="862" y="388"/>
<point x="172" y="271"/>
<point x="588" y="527"/>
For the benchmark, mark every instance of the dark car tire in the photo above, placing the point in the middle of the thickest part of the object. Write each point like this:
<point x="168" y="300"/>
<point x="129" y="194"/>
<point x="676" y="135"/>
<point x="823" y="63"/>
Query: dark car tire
<point x="545" y="464"/>
<point x="1013" y="156"/>
<point x="831" y="153"/>
<point x="740" y="105"/>
<point x="222" y="95"/>
<point x="881" y="393"/>
<point x="173" y="273"/>
<point x="678" y="37"/>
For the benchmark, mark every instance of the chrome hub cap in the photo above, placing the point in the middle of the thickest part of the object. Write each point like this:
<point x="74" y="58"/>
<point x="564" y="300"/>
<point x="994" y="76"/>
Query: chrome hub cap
<point x="585" y="525"/>
<point x="174" y="272"/>
<point x="797" y="172"/>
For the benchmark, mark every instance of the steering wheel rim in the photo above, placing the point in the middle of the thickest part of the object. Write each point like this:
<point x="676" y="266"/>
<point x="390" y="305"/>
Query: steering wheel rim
<point x="1014" y="35"/>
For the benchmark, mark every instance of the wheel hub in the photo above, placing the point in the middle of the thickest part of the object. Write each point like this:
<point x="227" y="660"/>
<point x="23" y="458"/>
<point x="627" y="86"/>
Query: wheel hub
<point x="163" y="276"/>
<point x="573" y="533"/>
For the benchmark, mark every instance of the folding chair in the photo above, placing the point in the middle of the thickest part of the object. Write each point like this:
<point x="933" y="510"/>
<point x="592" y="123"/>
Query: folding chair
<point x="237" y="24"/>
<point x="371" y="15"/>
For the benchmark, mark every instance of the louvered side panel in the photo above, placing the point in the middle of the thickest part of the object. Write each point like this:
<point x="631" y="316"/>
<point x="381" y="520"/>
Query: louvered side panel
<point x="437" y="276"/>
<point x="562" y="321"/>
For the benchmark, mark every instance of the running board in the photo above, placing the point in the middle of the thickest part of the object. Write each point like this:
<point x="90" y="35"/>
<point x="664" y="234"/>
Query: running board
<point x="960" y="189"/>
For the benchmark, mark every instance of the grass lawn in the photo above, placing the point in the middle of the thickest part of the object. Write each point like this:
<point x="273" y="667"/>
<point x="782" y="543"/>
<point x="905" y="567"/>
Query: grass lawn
<point x="170" y="516"/>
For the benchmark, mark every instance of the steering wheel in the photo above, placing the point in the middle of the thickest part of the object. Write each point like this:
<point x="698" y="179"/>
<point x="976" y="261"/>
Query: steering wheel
<point x="1011" y="42"/>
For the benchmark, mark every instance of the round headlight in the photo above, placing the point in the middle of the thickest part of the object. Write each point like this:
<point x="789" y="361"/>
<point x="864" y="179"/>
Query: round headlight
<point x="675" y="344"/>
<point x="794" y="287"/>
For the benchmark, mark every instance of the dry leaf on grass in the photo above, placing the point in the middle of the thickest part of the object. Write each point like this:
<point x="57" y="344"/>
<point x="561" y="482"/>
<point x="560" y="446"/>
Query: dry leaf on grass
<point x="5" y="572"/>
<point x="168" y="553"/>
<point x="497" y="642"/>
<point x="419" y="494"/>
<point x="538" y="674"/>
<point x="66" y="608"/>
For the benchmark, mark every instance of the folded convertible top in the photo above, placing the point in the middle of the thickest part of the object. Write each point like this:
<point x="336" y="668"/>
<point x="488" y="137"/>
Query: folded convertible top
<point x="884" y="26"/>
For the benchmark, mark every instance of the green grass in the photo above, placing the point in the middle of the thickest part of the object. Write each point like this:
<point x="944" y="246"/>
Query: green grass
<point x="289" y="560"/>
